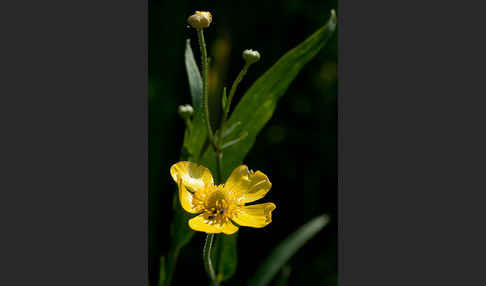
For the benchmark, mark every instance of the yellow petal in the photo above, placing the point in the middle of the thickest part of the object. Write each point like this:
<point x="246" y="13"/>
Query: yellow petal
<point x="194" y="177"/>
<point x="258" y="215"/>
<point x="229" y="228"/>
<point x="247" y="186"/>
<point x="200" y="223"/>
<point x="188" y="200"/>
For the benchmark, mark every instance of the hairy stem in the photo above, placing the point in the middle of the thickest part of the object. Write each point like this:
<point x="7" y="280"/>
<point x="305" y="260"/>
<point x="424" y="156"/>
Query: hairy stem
<point x="204" y="63"/>
<point x="208" y="265"/>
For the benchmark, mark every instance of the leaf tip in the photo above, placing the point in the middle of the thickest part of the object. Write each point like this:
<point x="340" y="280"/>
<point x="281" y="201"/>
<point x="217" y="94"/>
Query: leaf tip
<point x="323" y="219"/>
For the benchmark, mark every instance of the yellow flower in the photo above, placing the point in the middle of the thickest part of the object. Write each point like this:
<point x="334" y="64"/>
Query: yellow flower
<point x="219" y="205"/>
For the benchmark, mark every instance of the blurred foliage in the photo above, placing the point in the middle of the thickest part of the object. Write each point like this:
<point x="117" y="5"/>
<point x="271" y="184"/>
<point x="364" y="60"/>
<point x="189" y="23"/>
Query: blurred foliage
<point x="285" y="249"/>
<point x="296" y="149"/>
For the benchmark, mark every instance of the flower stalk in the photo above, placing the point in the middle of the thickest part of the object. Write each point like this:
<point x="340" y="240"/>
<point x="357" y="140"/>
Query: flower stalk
<point x="208" y="265"/>
<point x="218" y="207"/>
<point x="204" y="63"/>
<point x="237" y="81"/>
<point x="201" y="20"/>
<point x="250" y="57"/>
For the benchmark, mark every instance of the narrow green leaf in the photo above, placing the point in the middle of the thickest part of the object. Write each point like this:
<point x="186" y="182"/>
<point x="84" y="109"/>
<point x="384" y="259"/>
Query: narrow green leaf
<point x="198" y="133"/>
<point x="285" y="249"/>
<point x="194" y="77"/>
<point x="259" y="102"/>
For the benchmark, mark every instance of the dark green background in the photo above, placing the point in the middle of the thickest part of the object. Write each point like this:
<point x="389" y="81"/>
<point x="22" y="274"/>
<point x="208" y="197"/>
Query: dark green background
<point x="297" y="148"/>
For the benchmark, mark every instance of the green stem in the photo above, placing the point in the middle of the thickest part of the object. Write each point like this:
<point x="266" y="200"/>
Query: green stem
<point x="208" y="265"/>
<point x="237" y="81"/>
<point x="204" y="63"/>
<point x="219" y="165"/>
<point x="233" y="88"/>
<point x="188" y="124"/>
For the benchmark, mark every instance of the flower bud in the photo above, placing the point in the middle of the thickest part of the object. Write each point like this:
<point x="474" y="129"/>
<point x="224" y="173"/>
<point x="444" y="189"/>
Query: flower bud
<point x="200" y="19"/>
<point x="185" y="111"/>
<point x="251" y="56"/>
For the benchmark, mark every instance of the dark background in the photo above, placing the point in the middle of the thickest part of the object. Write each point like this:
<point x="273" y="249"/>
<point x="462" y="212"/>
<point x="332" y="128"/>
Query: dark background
<point x="297" y="149"/>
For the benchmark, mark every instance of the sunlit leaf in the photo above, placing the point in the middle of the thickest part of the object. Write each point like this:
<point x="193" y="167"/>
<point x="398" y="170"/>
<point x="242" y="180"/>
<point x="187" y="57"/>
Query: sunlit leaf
<point x="258" y="104"/>
<point x="198" y="134"/>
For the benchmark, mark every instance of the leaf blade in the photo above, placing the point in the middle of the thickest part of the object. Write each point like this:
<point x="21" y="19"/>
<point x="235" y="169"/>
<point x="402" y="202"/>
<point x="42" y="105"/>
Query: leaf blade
<point x="258" y="104"/>
<point x="286" y="249"/>
<point x="198" y="133"/>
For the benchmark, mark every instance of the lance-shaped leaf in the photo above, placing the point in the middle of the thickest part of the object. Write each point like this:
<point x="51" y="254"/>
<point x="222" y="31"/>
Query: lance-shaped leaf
<point x="195" y="140"/>
<point x="285" y="249"/>
<point x="258" y="104"/>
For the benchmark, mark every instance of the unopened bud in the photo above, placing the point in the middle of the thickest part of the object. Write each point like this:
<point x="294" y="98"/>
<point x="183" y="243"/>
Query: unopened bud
<point x="200" y="19"/>
<point x="185" y="111"/>
<point x="251" y="56"/>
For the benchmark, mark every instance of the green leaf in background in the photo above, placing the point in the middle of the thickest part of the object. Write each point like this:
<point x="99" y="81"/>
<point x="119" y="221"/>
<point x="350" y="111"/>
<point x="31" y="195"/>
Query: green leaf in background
<point x="196" y="138"/>
<point x="225" y="256"/>
<point x="258" y="104"/>
<point x="285" y="249"/>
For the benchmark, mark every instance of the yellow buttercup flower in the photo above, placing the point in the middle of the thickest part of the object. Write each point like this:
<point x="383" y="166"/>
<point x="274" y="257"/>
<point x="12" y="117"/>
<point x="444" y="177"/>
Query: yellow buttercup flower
<point x="221" y="205"/>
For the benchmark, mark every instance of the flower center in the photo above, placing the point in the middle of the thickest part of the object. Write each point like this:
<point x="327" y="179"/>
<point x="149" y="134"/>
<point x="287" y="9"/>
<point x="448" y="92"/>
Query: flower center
<point x="216" y="207"/>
